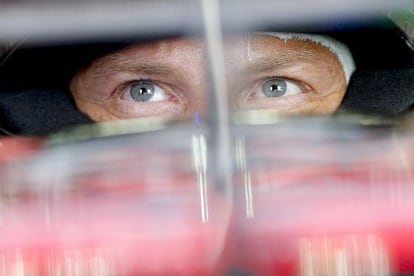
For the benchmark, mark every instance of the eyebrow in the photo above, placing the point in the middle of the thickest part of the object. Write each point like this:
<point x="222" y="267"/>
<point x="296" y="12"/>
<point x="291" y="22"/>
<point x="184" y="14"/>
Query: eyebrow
<point x="271" y="62"/>
<point x="141" y="65"/>
<point x="145" y="67"/>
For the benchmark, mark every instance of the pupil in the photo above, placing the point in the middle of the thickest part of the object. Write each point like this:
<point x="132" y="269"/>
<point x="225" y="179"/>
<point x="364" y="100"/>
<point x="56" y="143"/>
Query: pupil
<point x="274" y="88"/>
<point x="142" y="92"/>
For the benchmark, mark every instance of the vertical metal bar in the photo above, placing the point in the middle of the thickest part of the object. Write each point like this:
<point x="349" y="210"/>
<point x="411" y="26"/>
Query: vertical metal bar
<point x="248" y="194"/>
<point x="200" y="165"/>
<point x="218" y="108"/>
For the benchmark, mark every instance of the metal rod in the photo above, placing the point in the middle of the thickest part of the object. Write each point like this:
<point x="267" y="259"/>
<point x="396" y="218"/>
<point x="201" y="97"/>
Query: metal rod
<point x="218" y="108"/>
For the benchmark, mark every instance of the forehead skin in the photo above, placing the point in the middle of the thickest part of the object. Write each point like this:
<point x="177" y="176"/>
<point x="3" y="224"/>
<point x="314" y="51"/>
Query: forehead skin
<point x="180" y="63"/>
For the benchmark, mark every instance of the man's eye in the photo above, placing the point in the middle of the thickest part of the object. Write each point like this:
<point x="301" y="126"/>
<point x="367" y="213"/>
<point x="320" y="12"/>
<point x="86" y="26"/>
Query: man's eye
<point x="145" y="91"/>
<point x="143" y="98"/>
<point x="277" y="87"/>
<point x="274" y="88"/>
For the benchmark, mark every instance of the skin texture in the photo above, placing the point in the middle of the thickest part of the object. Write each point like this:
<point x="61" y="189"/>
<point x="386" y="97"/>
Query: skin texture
<point x="313" y="74"/>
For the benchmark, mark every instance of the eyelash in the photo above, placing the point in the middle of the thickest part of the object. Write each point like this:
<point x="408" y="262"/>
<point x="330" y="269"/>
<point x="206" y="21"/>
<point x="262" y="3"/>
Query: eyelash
<point x="127" y="107"/>
<point x="171" y="93"/>
<point x="148" y="90"/>
<point x="304" y="87"/>
<point x="251" y="96"/>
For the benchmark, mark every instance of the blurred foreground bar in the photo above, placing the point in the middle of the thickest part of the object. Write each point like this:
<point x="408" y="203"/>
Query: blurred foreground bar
<point x="40" y="21"/>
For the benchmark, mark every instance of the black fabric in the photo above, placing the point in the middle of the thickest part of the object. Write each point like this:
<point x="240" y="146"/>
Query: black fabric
<point x="38" y="111"/>
<point x="385" y="92"/>
<point x="49" y="66"/>
<point x="384" y="80"/>
<point x="377" y="47"/>
<point x="34" y="97"/>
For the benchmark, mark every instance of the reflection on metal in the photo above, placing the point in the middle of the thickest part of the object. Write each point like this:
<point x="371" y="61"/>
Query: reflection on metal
<point x="218" y="102"/>
<point x="18" y="267"/>
<point x="70" y="262"/>
<point x="240" y="154"/>
<point x="343" y="256"/>
<point x="98" y="261"/>
<point x="15" y="265"/>
<point x="200" y="166"/>
<point x="248" y="194"/>
<point x="247" y="180"/>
